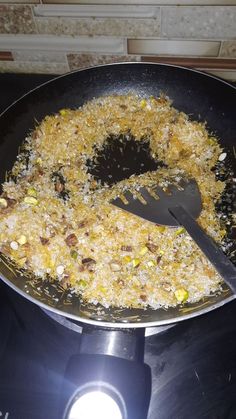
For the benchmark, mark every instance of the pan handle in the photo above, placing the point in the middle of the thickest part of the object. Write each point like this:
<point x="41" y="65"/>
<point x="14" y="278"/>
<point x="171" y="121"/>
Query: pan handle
<point x="109" y="368"/>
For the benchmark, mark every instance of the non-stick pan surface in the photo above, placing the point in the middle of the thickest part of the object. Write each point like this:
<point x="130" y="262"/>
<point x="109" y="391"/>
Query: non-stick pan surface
<point x="203" y="97"/>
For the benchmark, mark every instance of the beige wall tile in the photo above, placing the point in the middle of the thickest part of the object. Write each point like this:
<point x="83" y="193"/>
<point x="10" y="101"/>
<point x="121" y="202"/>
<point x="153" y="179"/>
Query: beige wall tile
<point x="173" y="47"/>
<point x="213" y="22"/>
<point x="34" y="67"/>
<point x="41" y="56"/>
<point x="99" y="26"/>
<point x="16" y="19"/>
<point x="88" y="60"/>
<point x="89" y="44"/>
<point x="228" y="49"/>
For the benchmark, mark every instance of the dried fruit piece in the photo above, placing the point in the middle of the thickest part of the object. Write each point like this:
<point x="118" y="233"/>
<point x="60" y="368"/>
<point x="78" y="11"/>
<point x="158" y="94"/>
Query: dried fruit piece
<point x="126" y="248"/>
<point x="44" y="241"/>
<point x="71" y="240"/>
<point x="89" y="263"/>
<point x="152" y="247"/>
<point x="59" y="187"/>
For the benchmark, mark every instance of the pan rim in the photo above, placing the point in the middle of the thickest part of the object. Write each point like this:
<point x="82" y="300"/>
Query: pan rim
<point x="118" y="324"/>
<point x="117" y="64"/>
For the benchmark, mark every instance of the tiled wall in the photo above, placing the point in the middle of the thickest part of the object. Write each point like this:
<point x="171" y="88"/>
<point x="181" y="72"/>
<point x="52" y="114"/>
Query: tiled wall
<point x="56" y="38"/>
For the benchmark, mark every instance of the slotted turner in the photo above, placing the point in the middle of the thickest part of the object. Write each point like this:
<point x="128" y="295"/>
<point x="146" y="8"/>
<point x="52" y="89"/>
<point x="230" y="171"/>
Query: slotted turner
<point x="180" y="206"/>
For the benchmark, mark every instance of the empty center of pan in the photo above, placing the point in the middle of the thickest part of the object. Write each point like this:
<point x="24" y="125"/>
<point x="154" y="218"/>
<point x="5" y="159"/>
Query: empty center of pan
<point x="120" y="157"/>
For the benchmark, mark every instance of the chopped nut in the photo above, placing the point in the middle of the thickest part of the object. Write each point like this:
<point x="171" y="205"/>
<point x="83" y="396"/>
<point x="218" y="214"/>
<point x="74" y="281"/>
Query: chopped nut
<point x="32" y="192"/>
<point x="126" y="248"/>
<point x="127" y="259"/>
<point x="14" y="245"/>
<point x="179" y="231"/>
<point x="161" y="229"/>
<point x="143" y="251"/>
<point x="115" y="266"/>
<point x="82" y="224"/>
<point x="136" y="262"/>
<point x="158" y="259"/>
<point x="152" y="247"/>
<point x="151" y="263"/>
<point x="89" y="263"/>
<point x="59" y="187"/>
<point x="3" y="203"/>
<point x="166" y="286"/>
<point x="71" y="240"/>
<point x="21" y="262"/>
<point x="22" y="239"/>
<point x="31" y="200"/>
<point x="120" y="282"/>
<point x="143" y="297"/>
<point x="82" y="283"/>
<point x="74" y="254"/>
<point x="181" y="295"/>
<point x="60" y="269"/>
<point x="44" y="241"/>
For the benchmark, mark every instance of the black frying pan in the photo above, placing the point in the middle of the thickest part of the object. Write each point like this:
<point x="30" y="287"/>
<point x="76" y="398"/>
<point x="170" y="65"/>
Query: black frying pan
<point x="110" y="358"/>
<point x="203" y="97"/>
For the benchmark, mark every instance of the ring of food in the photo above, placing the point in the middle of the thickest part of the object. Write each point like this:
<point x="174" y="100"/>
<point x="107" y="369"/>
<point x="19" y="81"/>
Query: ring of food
<point x="56" y="219"/>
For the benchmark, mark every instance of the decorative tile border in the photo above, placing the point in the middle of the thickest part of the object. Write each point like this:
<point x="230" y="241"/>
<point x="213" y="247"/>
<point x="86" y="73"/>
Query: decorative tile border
<point x="173" y="47"/>
<point x="6" y="56"/>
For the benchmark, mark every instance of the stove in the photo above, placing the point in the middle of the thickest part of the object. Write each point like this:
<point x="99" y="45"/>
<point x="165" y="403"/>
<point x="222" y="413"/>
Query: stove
<point x="193" y="363"/>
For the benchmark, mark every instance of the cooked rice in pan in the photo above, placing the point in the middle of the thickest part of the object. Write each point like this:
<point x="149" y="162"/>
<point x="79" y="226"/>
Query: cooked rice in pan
<point x="57" y="222"/>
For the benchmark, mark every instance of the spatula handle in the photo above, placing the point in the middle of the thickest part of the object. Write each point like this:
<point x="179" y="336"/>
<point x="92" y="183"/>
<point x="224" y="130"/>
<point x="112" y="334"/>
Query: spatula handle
<point x="211" y="250"/>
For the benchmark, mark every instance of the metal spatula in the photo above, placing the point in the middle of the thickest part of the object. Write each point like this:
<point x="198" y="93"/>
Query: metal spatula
<point x="180" y="205"/>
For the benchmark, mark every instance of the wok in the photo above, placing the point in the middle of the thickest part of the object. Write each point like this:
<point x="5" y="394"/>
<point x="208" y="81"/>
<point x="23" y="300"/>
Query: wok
<point x="203" y="97"/>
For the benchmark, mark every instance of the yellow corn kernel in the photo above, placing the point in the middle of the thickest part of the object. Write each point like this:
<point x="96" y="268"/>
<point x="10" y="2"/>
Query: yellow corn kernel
<point x="136" y="262"/>
<point x="127" y="259"/>
<point x="181" y="295"/>
<point x="22" y="239"/>
<point x="32" y="192"/>
<point x="31" y="200"/>
<point x="143" y="251"/>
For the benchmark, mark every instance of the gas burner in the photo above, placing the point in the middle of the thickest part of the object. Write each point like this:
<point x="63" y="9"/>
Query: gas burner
<point x="77" y="326"/>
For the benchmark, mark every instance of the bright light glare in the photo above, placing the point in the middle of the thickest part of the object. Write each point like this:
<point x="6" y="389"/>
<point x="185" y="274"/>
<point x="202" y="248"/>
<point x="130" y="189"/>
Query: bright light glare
<point x="95" y="405"/>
